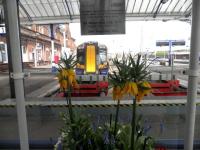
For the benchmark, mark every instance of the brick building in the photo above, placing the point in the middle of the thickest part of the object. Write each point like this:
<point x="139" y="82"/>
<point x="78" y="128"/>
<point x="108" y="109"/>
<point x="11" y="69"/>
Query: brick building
<point x="36" y="43"/>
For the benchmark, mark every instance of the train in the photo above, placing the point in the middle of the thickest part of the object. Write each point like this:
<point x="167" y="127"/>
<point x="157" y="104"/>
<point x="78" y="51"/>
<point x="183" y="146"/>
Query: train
<point x="91" y="70"/>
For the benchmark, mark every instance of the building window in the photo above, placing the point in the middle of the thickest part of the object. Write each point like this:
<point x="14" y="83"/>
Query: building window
<point x="23" y="49"/>
<point x="2" y="52"/>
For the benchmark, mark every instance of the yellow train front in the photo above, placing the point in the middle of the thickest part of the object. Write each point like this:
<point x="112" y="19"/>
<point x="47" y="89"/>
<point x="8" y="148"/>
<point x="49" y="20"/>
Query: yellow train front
<point x="91" y="70"/>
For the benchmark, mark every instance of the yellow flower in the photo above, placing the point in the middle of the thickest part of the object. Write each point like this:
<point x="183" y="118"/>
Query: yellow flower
<point x="67" y="78"/>
<point x="134" y="89"/>
<point x="64" y="73"/>
<point x="130" y="88"/>
<point x="144" y="89"/>
<point x="140" y="96"/>
<point x="71" y="76"/>
<point x="80" y="66"/>
<point x="75" y="84"/>
<point x="127" y="88"/>
<point x="63" y="85"/>
<point x="117" y="93"/>
<point x="146" y="84"/>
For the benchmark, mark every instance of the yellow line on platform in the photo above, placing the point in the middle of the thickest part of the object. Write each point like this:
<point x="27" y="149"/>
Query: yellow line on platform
<point x="96" y="105"/>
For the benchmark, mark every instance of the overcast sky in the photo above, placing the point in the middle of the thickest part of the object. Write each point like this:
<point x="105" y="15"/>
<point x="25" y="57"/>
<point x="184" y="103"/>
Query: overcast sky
<point x="140" y="35"/>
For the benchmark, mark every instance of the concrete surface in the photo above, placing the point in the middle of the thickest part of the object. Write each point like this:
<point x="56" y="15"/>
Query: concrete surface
<point x="44" y="122"/>
<point x="35" y="82"/>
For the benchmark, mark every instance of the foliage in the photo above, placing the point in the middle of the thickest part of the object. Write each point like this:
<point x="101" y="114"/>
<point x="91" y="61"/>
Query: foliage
<point x="81" y="135"/>
<point x="129" y="77"/>
<point x="66" y="74"/>
<point x="78" y="133"/>
<point x="67" y="62"/>
<point x="121" y="75"/>
<point x="142" y="142"/>
<point x="138" y="69"/>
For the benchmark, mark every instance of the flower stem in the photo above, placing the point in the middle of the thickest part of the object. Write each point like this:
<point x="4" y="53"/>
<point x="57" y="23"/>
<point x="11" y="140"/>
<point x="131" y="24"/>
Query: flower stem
<point x="70" y="105"/>
<point x="110" y="132"/>
<point x="116" y="118"/>
<point x="133" y="125"/>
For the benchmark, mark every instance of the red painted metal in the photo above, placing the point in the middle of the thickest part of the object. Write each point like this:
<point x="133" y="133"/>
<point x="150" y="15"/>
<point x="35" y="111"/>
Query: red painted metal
<point x="89" y="90"/>
<point x="160" y="148"/>
<point x="168" y="88"/>
<point x="164" y="88"/>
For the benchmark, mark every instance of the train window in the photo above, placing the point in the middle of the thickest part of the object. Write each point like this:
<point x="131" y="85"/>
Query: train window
<point x="102" y="55"/>
<point x="80" y="59"/>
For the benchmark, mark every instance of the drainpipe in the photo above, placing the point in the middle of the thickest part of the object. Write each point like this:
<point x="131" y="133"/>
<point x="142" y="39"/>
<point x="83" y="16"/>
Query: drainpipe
<point x="64" y="39"/>
<point x="52" y="43"/>
<point x="193" y="76"/>
<point x="13" y="36"/>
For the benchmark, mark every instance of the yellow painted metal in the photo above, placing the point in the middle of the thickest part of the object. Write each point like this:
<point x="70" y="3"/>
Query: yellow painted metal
<point x="90" y="59"/>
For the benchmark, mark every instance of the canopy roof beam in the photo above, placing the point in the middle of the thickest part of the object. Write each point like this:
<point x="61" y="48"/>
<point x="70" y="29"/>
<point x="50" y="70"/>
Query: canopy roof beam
<point x="70" y="15"/>
<point x="25" y="11"/>
<point x="63" y="11"/>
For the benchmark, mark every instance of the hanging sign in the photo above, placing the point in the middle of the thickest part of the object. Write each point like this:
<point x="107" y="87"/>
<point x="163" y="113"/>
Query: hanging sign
<point x="100" y="17"/>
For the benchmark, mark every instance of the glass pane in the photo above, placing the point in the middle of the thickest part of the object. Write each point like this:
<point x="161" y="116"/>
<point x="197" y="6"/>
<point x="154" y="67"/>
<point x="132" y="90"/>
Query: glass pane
<point x="165" y="6"/>
<point x="23" y="1"/>
<point x="22" y="14"/>
<point x="35" y="10"/>
<point x="163" y="115"/>
<point x="4" y="75"/>
<point x="55" y="9"/>
<point x="42" y="9"/>
<point x="66" y="8"/>
<point x="137" y="6"/>
<point x="51" y="1"/>
<point x="152" y="6"/>
<point x="44" y="1"/>
<point x="38" y="1"/>
<point x="29" y="1"/>
<point x="197" y="123"/>
<point x="130" y="6"/>
<point x="75" y="8"/>
<point x="30" y="12"/>
<point x="187" y="4"/>
<point x="172" y="5"/>
<point x="179" y="6"/>
<point x="71" y="7"/>
<point x="49" y="10"/>
<point x="144" y="6"/>
<point x="62" y="8"/>
<point x="59" y="1"/>
<point x="126" y="2"/>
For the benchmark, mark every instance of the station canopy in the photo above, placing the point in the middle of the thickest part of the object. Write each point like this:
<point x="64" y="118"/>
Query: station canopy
<point x="67" y="11"/>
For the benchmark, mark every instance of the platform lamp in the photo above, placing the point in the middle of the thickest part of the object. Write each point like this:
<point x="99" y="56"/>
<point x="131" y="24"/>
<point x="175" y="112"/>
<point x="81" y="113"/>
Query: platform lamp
<point x="63" y="30"/>
<point x="159" y="6"/>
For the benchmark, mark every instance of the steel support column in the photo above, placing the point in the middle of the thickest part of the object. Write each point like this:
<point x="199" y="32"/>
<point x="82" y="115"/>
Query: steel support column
<point x="170" y="53"/>
<point x="12" y="29"/>
<point x="193" y="76"/>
